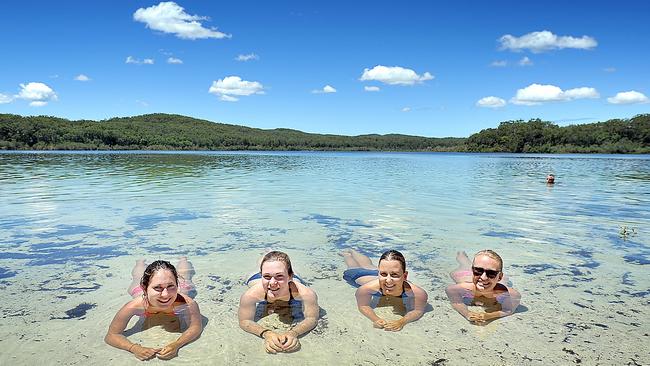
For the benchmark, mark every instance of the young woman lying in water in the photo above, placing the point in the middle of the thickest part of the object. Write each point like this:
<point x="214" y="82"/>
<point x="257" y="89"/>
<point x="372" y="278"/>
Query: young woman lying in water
<point x="275" y="288"/>
<point x="481" y="283"/>
<point x="160" y="300"/>
<point x="385" y="281"/>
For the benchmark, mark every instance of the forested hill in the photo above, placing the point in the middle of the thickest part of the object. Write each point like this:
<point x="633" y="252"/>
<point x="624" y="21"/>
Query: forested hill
<point x="175" y="132"/>
<point x="536" y="136"/>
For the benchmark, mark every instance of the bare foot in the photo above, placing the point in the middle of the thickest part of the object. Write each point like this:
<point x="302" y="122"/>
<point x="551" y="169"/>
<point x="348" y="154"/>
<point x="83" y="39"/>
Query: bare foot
<point x="345" y="253"/>
<point x="463" y="259"/>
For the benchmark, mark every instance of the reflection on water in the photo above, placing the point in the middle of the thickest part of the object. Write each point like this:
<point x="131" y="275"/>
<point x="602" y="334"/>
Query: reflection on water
<point x="579" y="248"/>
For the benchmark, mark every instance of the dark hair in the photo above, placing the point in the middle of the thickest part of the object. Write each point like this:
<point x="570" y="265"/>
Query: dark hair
<point x="393" y="255"/>
<point x="280" y="257"/>
<point x="155" y="267"/>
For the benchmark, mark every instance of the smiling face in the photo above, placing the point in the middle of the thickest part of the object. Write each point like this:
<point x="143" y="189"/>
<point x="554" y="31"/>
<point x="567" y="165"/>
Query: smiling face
<point x="162" y="289"/>
<point x="391" y="277"/>
<point x="275" y="278"/>
<point x="485" y="264"/>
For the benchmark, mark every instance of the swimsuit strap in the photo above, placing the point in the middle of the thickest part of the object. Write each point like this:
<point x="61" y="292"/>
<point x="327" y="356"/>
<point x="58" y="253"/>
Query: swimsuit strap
<point x="266" y="294"/>
<point x="403" y="294"/>
<point x="291" y="293"/>
<point x="173" y="312"/>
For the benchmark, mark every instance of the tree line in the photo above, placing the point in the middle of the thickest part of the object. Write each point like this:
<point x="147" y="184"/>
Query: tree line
<point x="176" y="132"/>
<point x="537" y="136"/>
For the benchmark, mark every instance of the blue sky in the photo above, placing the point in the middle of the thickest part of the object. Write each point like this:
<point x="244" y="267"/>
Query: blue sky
<point x="340" y="67"/>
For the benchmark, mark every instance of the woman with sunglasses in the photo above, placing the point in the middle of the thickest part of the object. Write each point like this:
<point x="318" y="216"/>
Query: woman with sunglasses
<point x="481" y="283"/>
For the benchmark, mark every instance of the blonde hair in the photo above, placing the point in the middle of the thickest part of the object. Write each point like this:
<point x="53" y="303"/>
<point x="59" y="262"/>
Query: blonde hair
<point x="492" y="254"/>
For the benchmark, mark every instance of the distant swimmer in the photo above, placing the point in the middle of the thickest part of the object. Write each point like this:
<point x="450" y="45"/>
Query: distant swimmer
<point x="550" y="179"/>
<point x="480" y="283"/>
<point x="388" y="281"/>
<point x="160" y="299"/>
<point x="276" y="289"/>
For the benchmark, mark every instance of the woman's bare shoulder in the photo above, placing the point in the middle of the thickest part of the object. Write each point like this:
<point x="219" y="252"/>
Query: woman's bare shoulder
<point x="254" y="293"/>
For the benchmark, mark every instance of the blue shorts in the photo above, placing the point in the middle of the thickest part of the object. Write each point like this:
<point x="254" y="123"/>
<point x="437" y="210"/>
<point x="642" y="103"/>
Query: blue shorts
<point x="352" y="274"/>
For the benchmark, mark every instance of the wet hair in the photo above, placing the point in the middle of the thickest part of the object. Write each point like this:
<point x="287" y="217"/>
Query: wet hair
<point x="492" y="254"/>
<point x="155" y="267"/>
<point x="395" y="256"/>
<point x="277" y="256"/>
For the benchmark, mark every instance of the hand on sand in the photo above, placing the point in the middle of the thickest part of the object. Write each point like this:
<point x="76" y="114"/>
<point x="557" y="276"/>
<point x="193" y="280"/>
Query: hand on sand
<point x="168" y="352"/>
<point x="379" y="323"/>
<point x="273" y="342"/>
<point x="291" y="342"/>
<point x="144" y="353"/>
<point x="395" y="325"/>
<point x="476" y="318"/>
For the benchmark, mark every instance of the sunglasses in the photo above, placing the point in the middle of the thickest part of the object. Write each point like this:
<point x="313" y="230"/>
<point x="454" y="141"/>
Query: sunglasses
<point x="478" y="271"/>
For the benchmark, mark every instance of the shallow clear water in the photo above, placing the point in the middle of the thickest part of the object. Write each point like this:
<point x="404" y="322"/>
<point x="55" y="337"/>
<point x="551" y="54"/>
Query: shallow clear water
<point x="73" y="224"/>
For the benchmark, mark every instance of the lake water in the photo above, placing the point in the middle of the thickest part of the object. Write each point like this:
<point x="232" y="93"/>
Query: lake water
<point x="73" y="224"/>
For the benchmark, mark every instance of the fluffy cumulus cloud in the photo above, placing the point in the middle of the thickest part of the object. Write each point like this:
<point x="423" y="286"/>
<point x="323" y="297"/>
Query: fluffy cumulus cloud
<point x="628" y="97"/>
<point x="169" y="17"/>
<point x="327" y="89"/>
<point x="249" y="57"/>
<point x="231" y="86"/>
<point x="491" y="102"/>
<point x="537" y="94"/>
<point x="406" y="109"/>
<point x="371" y="88"/>
<point x="545" y="41"/>
<point x="38" y="94"/>
<point x="82" y="77"/>
<point x="174" y="60"/>
<point x="132" y="60"/>
<point x="394" y="75"/>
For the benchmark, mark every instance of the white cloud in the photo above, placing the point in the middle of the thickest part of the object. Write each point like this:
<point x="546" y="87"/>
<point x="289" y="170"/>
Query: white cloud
<point x="4" y="98"/>
<point x="536" y="94"/>
<point x="371" y="88"/>
<point x="545" y="41"/>
<point x="581" y="93"/>
<point x="609" y="69"/>
<point x="233" y="85"/>
<point x="174" y="60"/>
<point x="250" y="56"/>
<point x="491" y="102"/>
<point x="499" y="63"/>
<point x="38" y="93"/>
<point x="628" y="97"/>
<point x="82" y="77"/>
<point x="228" y="98"/>
<point x="525" y="61"/>
<point x="169" y="17"/>
<point x="142" y="103"/>
<point x="327" y="89"/>
<point x="135" y="61"/>
<point x="406" y="109"/>
<point x="394" y="75"/>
